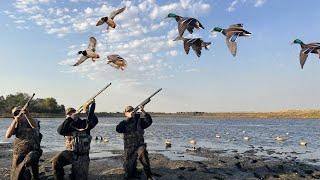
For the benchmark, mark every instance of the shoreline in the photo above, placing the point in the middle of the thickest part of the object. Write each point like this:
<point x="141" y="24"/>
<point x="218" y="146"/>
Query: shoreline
<point x="218" y="165"/>
<point x="218" y="115"/>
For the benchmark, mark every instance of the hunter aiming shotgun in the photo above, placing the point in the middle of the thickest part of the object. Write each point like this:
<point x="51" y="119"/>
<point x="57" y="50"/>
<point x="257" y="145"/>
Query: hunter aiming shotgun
<point x="26" y="105"/>
<point x="146" y="101"/>
<point x="90" y="101"/>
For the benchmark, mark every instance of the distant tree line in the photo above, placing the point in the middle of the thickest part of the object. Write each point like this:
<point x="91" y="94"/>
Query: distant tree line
<point x="38" y="105"/>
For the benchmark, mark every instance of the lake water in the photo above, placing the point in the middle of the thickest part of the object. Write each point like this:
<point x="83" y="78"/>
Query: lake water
<point x="262" y="132"/>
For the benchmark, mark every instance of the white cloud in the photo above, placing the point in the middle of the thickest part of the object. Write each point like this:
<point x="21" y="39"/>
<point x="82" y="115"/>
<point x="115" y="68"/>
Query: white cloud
<point x="259" y="3"/>
<point x="234" y="3"/>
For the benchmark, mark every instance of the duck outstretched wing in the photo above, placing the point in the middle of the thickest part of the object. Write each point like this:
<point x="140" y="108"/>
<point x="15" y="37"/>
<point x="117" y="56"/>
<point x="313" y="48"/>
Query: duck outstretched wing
<point x="304" y="55"/>
<point x="239" y="25"/>
<point x="81" y="60"/>
<point x="116" y="12"/>
<point x="186" y="45"/>
<point x="232" y="45"/>
<point x="92" y="44"/>
<point x="100" y="22"/>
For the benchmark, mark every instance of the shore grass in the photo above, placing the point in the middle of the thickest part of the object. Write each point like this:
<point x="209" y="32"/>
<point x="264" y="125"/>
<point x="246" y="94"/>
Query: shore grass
<point x="290" y="114"/>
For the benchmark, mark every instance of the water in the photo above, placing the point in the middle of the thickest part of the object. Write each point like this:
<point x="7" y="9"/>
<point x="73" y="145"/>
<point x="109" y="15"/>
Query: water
<point x="180" y="130"/>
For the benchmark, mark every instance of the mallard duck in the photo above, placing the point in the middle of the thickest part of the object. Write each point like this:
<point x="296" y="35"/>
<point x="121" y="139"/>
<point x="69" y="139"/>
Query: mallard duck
<point x="109" y="20"/>
<point x="306" y="49"/>
<point x="196" y="43"/>
<point x="117" y="61"/>
<point x="232" y="33"/>
<point x="186" y="23"/>
<point x="90" y="52"/>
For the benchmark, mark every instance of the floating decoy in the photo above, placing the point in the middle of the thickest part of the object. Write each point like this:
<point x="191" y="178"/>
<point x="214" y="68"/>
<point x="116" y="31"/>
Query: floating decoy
<point x="168" y="143"/>
<point x="246" y="138"/>
<point x="280" y="138"/>
<point x="196" y="43"/>
<point x="186" y="23"/>
<point x="303" y="143"/>
<point x="109" y="20"/>
<point x="193" y="142"/>
<point x="218" y="136"/>
<point x="306" y="49"/>
<point x="232" y="33"/>
<point x="117" y="61"/>
<point x="90" y="52"/>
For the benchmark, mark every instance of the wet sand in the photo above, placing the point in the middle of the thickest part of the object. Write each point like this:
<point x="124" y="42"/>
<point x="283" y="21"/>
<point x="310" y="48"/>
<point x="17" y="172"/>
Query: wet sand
<point x="218" y="165"/>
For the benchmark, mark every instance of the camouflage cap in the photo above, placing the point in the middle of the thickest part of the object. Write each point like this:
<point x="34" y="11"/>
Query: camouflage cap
<point x="15" y="109"/>
<point x="69" y="110"/>
<point x="128" y="109"/>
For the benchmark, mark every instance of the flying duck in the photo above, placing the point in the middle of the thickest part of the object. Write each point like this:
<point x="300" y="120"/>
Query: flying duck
<point x="90" y="52"/>
<point x="109" y="20"/>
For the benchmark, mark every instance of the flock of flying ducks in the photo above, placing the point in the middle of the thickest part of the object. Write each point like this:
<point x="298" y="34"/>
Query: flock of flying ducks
<point x="185" y="23"/>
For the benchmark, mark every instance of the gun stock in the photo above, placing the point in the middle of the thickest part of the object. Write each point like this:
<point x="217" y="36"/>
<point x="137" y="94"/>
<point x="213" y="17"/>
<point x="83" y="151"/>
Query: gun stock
<point x="146" y="101"/>
<point x="89" y="102"/>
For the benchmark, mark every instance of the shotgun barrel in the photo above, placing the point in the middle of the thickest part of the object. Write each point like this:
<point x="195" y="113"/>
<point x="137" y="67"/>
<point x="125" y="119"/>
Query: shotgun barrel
<point x="93" y="97"/>
<point x="146" y="101"/>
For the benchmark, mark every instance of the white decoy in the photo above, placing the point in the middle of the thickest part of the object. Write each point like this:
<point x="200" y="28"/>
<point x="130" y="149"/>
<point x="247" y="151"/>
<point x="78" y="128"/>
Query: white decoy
<point x="280" y="138"/>
<point x="105" y="140"/>
<point x="246" y="138"/>
<point x="167" y="143"/>
<point x="193" y="142"/>
<point x="303" y="143"/>
<point x="218" y="136"/>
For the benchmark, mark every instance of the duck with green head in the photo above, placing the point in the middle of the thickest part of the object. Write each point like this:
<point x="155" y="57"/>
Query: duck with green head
<point x="232" y="33"/>
<point x="195" y="43"/>
<point x="306" y="49"/>
<point x="185" y="23"/>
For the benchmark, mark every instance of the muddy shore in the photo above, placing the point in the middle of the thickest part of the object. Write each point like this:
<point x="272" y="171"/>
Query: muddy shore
<point x="218" y="165"/>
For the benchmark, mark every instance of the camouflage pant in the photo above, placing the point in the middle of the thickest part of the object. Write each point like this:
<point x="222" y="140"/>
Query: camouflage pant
<point x="80" y="165"/>
<point x="21" y="162"/>
<point x="130" y="162"/>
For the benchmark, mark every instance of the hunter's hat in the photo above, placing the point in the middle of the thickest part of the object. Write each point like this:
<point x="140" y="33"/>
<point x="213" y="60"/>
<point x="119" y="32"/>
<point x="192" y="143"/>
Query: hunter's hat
<point x="128" y="109"/>
<point x="70" y="109"/>
<point x="15" y="109"/>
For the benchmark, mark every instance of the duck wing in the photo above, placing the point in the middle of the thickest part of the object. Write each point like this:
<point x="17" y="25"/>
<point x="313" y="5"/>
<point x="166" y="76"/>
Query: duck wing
<point x="231" y="43"/>
<point x="197" y="46"/>
<point x="116" y="12"/>
<point x="92" y="44"/>
<point x="186" y="45"/>
<point x="239" y="25"/>
<point x="81" y="60"/>
<point x="101" y="21"/>
<point x="182" y="26"/>
<point x="304" y="55"/>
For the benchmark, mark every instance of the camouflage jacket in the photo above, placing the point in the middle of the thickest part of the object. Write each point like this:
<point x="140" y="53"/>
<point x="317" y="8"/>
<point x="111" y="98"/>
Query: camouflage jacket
<point x="133" y="130"/>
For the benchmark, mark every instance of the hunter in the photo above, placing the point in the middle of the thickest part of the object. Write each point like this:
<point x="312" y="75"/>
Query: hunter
<point x="26" y="145"/>
<point x="134" y="145"/>
<point x="77" y="141"/>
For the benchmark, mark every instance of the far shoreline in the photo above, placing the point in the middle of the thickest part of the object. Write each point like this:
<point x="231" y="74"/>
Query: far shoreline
<point x="289" y="114"/>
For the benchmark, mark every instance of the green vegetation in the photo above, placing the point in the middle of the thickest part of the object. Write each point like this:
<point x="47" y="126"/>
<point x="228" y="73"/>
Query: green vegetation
<point x="48" y="107"/>
<point x="39" y="105"/>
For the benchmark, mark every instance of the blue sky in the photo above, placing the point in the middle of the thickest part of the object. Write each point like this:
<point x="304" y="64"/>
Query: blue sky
<point x="41" y="37"/>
